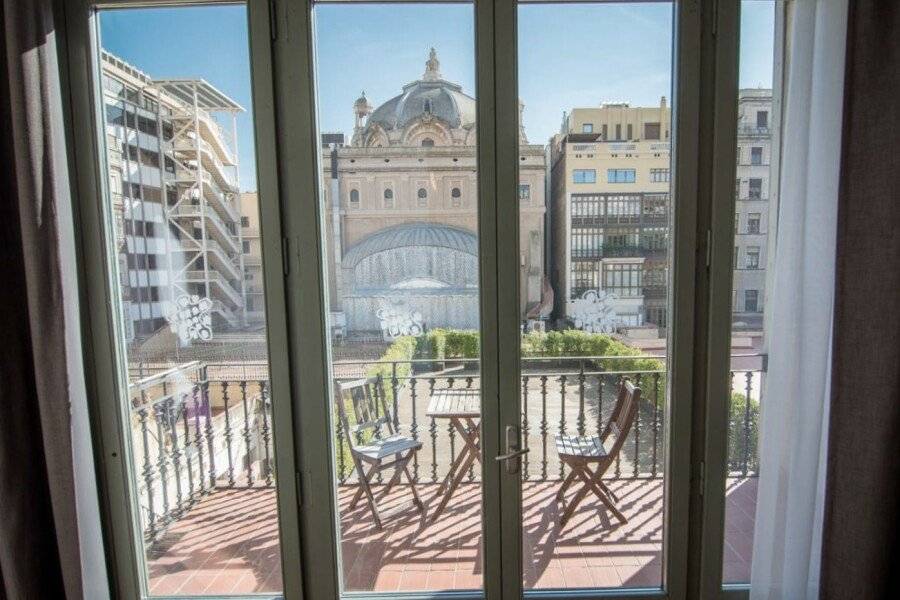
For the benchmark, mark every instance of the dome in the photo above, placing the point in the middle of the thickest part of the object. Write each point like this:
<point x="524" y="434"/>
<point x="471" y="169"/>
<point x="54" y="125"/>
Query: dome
<point x="429" y="97"/>
<point x="412" y="235"/>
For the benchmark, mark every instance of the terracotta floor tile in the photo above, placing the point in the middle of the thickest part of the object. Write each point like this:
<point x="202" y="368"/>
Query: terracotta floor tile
<point x="228" y="541"/>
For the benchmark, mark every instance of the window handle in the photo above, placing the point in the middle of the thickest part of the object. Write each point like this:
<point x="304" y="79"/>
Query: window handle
<point x="513" y="452"/>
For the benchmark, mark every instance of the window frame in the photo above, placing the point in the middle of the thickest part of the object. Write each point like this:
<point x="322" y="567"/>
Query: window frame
<point x="287" y="163"/>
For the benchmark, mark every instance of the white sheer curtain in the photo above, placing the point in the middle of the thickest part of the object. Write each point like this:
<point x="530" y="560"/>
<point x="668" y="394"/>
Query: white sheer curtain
<point x="794" y="419"/>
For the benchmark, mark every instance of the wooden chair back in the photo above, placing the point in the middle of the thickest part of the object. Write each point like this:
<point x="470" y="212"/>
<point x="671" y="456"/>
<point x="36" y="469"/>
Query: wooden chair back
<point x="622" y="418"/>
<point x="365" y="397"/>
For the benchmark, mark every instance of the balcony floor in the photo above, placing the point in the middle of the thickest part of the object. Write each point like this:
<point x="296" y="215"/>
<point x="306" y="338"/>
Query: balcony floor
<point x="228" y="542"/>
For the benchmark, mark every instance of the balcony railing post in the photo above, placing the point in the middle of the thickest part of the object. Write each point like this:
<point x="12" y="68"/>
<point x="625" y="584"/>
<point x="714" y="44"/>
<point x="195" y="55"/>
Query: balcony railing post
<point x="247" y="436"/>
<point x="339" y="432"/>
<point x="147" y="470"/>
<point x="198" y="439"/>
<point x="208" y="430"/>
<point x="581" y="379"/>
<point x="266" y="436"/>
<point x="185" y="444"/>
<point x="562" y="417"/>
<point x="395" y="392"/>
<point x="544" y="428"/>
<point x="599" y="404"/>
<point x="161" y="459"/>
<point x="619" y="383"/>
<point x="525" y="428"/>
<point x="653" y="467"/>
<point x="636" y="468"/>
<point x="172" y="424"/>
<point x="414" y="425"/>
<point x="228" y="434"/>
<point x="745" y="463"/>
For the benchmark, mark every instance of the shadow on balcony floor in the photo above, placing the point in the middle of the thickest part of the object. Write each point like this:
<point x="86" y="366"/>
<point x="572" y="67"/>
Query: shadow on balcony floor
<point x="228" y="542"/>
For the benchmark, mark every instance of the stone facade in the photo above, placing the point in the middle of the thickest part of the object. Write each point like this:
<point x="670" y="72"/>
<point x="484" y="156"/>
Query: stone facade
<point x="402" y="211"/>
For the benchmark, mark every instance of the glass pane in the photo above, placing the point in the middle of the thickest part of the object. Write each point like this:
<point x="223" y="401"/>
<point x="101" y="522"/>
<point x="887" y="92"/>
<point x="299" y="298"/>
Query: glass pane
<point x="399" y="193"/>
<point x="198" y="413"/>
<point x="755" y="201"/>
<point x="595" y="151"/>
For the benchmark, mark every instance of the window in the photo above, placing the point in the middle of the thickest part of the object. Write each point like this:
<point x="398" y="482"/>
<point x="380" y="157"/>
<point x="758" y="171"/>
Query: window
<point x="751" y="300"/>
<point x="756" y="155"/>
<point x="753" y="222"/>
<point x="427" y="143"/>
<point x="737" y="252"/>
<point x="455" y="197"/>
<point x="524" y="192"/>
<point x="762" y="119"/>
<point x="354" y="197"/>
<point x="584" y="176"/>
<point x="752" y="260"/>
<point x="245" y="247"/>
<point x="620" y="175"/>
<point x="651" y="131"/>
<point x="587" y="128"/>
<point x="737" y="187"/>
<point x="754" y="191"/>
<point x="604" y="132"/>
<point x="245" y="221"/>
<point x="624" y="280"/>
<point x="618" y="131"/>
<point x="659" y="175"/>
<point x="630" y="131"/>
<point x="422" y="198"/>
<point x="389" y="198"/>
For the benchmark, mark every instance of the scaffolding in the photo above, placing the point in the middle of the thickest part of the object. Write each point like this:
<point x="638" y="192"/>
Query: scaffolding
<point x="204" y="244"/>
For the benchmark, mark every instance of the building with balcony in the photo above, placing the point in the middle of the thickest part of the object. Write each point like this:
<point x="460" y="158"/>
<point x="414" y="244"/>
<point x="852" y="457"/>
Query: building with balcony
<point x="401" y="203"/>
<point x="610" y="210"/>
<point x="252" y="251"/>
<point x="754" y="195"/>
<point x="173" y="175"/>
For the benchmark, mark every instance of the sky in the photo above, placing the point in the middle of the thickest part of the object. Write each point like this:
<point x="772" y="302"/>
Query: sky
<point x="569" y="55"/>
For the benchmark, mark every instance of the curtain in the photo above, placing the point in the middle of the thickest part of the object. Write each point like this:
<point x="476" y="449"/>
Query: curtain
<point x="40" y="371"/>
<point x="862" y="498"/>
<point x="794" y="417"/>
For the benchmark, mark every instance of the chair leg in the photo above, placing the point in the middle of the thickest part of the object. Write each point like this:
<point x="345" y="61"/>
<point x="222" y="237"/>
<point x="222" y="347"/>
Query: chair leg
<point x="606" y="489"/>
<point x="572" y="506"/>
<point x="412" y="486"/>
<point x="566" y="483"/>
<point x="363" y="477"/>
<point x="591" y="483"/>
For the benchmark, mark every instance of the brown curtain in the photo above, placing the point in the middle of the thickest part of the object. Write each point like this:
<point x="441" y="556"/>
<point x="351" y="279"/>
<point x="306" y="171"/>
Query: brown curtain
<point x="860" y="537"/>
<point x="39" y="553"/>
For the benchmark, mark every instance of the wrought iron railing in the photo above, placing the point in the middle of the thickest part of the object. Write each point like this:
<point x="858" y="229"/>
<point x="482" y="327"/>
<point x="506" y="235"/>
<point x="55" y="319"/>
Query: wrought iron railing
<point x="198" y="427"/>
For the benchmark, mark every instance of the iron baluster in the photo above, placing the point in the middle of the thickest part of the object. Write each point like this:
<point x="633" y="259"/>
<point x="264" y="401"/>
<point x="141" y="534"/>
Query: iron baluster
<point x="581" y="378"/>
<point x="228" y="433"/>
<point x="247" y="435"/>
<point x="147" y="470"/>
<point x="266" y="437"/>
<point x="544" y="428"/>
<point x="414" y="427"/>
<point x="562" y="417"/>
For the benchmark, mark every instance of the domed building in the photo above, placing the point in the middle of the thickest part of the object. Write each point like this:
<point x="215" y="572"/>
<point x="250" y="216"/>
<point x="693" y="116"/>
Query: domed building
<point x="402" y="209"/>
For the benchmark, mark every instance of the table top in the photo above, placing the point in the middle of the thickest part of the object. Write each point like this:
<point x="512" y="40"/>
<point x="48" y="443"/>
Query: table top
<point x="455" y="403"/>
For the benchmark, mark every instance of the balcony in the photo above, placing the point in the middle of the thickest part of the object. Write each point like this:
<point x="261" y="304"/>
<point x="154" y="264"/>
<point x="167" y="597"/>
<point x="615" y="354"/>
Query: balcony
<point x="208" y="504"/>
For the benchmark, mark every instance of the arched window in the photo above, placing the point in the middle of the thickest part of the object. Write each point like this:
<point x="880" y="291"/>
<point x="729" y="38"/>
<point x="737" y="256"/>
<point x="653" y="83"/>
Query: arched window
<point x="427" y="143"/>
<point x="389" y="198"/>
<point x="428" y="106"/>
<point x="354" y="196"/>
<point x="455" y="196"/>
<point x="423" y="197"/>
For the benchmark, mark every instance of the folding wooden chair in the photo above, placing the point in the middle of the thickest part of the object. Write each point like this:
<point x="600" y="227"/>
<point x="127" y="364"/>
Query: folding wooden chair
<point x="588" y="457"/>
<point x="368" y="448"/>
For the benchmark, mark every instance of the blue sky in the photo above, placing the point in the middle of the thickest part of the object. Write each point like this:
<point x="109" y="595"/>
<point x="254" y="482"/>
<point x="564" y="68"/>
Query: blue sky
<point x="569" y="55"/>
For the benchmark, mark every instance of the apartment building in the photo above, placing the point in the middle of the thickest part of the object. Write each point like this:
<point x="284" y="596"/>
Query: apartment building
<point x="609" y="205"/>
<point x="173" y="176"/>
<point x="754" y="194"/>
<point x="251" y="248"/>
